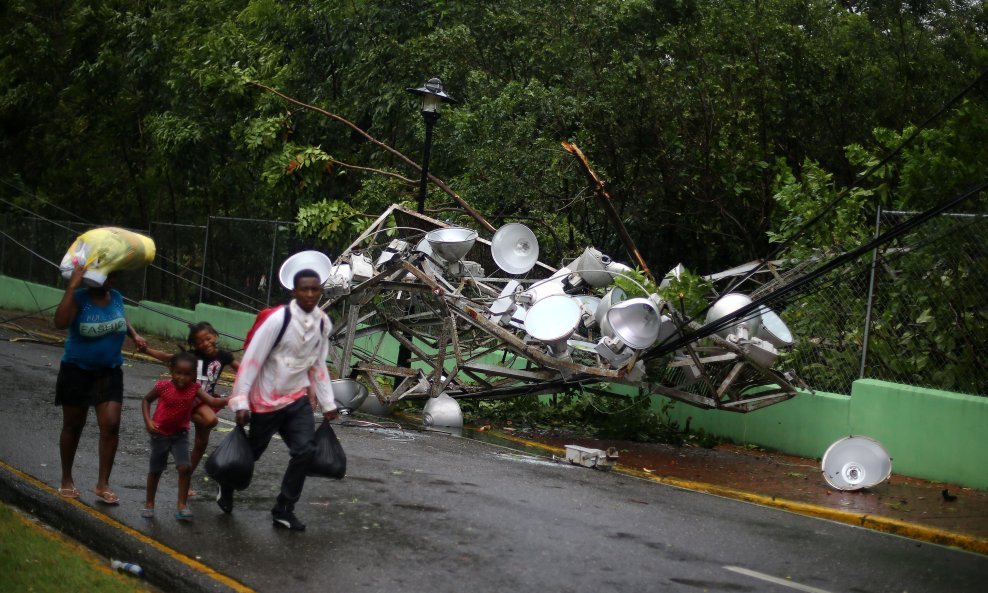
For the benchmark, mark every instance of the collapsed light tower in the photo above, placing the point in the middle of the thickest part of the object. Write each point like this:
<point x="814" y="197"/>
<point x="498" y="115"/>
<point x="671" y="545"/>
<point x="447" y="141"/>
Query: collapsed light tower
<point x="486" y="319"/>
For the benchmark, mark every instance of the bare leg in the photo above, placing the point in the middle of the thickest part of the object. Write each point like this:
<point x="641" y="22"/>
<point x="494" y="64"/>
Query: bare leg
<point x="108" y="416"/>
<point x="184" y="479"/>
<point x="152" y="490"/>
<point x="73" y="420"/>
<point x="205" y="420"/>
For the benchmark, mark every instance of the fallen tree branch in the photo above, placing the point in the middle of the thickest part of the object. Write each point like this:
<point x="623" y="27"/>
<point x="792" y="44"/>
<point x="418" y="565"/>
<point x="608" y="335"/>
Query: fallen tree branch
<point x="400" y="178"/>
<point x="438" y="182"/>
<point x="597" y="185"/>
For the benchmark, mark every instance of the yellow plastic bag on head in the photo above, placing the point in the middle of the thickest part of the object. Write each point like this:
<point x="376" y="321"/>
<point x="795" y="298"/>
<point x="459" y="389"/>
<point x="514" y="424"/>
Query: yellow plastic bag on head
<point x="106" y="250"/>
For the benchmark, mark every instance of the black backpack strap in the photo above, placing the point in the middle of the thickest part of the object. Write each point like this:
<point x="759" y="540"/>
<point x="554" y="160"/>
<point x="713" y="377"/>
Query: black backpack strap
<point x="284" y="326"/>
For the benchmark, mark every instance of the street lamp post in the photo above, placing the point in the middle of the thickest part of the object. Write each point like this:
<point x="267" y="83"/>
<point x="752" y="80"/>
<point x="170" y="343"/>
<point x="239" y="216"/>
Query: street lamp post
<point x="433" y="97"/>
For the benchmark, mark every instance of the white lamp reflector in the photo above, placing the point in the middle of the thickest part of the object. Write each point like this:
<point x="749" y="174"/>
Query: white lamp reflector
<point x="515" y="248"/>
<point x="729" y="303"/>
<point x="552" y="321"/>
<point x="636" y="322"/>
<point x="773" y="330"/>
<point x="503" y="303"/>
<point x="591" y="266"/>
<point x="316" y="261"/>
<point x="554" y="285"/>
<point x="349" y="393"/>
<point x="442" y="410"/>
<point x="856" y="462"/>
<point x="452" y="243"/>
<point x="613" y="297"/>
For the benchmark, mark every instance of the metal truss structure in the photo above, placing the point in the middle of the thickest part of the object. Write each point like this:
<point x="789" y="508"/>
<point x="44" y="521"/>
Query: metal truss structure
<point x="461" y="329"/>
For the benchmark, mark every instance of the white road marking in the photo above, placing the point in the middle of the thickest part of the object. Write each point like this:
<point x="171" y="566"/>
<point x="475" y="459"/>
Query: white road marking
<point x="776" y="580"/>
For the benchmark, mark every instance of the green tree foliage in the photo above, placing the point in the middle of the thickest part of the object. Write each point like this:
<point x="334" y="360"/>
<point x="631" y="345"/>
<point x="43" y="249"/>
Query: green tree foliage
<point x="928" y="320"/>
<point x="132" y="111"/>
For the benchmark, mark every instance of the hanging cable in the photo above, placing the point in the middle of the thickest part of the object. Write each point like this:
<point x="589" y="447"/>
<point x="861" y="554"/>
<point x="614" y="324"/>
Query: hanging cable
<point x="858" y="180"/>
<point x="893" y="233"/>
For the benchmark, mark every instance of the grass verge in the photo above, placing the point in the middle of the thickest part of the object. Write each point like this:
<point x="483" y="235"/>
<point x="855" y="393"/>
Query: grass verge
<point x="36" y="559"/>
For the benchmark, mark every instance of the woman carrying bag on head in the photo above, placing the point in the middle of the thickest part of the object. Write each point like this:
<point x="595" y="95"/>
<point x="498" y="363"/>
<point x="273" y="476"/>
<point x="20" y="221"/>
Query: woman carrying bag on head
<point x="90" y="374"/>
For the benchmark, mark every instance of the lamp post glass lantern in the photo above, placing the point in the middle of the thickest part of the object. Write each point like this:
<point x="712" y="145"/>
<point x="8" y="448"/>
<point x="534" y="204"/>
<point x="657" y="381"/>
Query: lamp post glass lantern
<point x="433" y="96"/>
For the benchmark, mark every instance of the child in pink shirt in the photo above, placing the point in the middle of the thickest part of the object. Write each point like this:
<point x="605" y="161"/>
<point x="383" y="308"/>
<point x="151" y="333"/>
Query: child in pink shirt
<point x="169" y="429"/>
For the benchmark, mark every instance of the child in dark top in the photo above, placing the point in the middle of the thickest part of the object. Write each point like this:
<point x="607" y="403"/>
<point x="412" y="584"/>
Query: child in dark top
<point x="169" y="428"/>
<point x="203" y="339"/>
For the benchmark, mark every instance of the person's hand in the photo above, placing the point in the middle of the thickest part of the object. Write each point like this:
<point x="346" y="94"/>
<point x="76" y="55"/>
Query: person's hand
<point x="332" y="414"/>
<point x="140" y="342"/>
<point x="242" y="416"/>
<point x="152" y="427"/>
<point x="75" y="280"/>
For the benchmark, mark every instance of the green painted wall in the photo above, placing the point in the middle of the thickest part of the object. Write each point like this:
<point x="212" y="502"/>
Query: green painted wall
<point x="157" y="318"/>
<point x="234" y="323"/>
<point x="804" y="425"/>
<point x="930" y="434"/>
<point x="21" y="295"/>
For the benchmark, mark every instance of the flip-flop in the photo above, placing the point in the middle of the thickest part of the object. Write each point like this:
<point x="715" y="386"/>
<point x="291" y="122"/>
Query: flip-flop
<point x="107" y="497"/>
<point x="147" y="513"/>
<point x="68" y="492"/>
<point x="184" y="514"/>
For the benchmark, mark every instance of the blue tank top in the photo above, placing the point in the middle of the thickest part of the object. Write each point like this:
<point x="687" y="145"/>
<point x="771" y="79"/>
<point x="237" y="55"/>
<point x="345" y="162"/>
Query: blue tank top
<point x="96" y="334"/>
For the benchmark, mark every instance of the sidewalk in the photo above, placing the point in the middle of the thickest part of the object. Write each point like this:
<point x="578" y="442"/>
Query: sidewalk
<point x="929" y="511"/>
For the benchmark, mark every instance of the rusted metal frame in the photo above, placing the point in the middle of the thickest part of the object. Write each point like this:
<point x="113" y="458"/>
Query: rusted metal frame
<point x="344" y="365"/>
<point x="375" y="388"/>
<point x="684" y="396"/>
<point x="597" y="184"/>
<point x="755" y="403"/>
<point x="386" y="369"/>
<point x="534" y="354"/>
<point x="517" y="374"/>
<point x="358" y="333"/>
<point x="504" y="393"/>
<point x="374" y="227"/>
<point x="708" y="360"/>
<point x="726" y="383"/>
<point x="403" y="388"/>
<point x="423" y="356"/>
<point x="704" y="377"/>
<point x="477" y="378"/>
<point x="478" y="354"/>
<point x="391" y="272"/>
<point x="408" y="331"/>
<point x="439" y="363"/>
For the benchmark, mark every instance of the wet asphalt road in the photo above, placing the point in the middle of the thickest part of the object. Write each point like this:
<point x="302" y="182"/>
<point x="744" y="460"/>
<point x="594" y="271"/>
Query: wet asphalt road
<point x="430" y="512"/>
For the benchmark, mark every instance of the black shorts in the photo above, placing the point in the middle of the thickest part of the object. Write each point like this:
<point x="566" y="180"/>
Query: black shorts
<point x="78" y="387"/>
<point x="161" y="445"/>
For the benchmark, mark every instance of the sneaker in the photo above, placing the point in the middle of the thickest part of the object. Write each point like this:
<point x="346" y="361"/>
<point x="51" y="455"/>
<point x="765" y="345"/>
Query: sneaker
<point x="224" y="499"/>
<point x="287" y="519"/>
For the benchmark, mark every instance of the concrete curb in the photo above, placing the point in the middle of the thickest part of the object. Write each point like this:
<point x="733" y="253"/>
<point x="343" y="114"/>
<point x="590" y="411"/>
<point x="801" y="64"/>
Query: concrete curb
<point x="165" y="568"/>
<point x="873" y="522"/>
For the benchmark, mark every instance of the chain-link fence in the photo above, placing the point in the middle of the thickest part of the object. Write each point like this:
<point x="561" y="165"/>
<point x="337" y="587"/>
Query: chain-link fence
<point x="913" y="313"/>
<point x="229" y="262"/>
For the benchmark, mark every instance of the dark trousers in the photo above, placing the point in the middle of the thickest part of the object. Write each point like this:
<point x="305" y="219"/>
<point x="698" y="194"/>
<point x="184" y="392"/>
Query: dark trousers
<point x="296" y="426"/>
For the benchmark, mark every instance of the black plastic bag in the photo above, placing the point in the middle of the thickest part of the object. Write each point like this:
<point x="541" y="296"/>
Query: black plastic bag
<point x="232" y="462"/>
<point x="329" y="460"/>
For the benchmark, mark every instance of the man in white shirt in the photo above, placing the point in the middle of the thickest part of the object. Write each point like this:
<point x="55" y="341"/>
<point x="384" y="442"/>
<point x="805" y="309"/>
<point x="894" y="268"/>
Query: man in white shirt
<point x="271" y="390"/>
